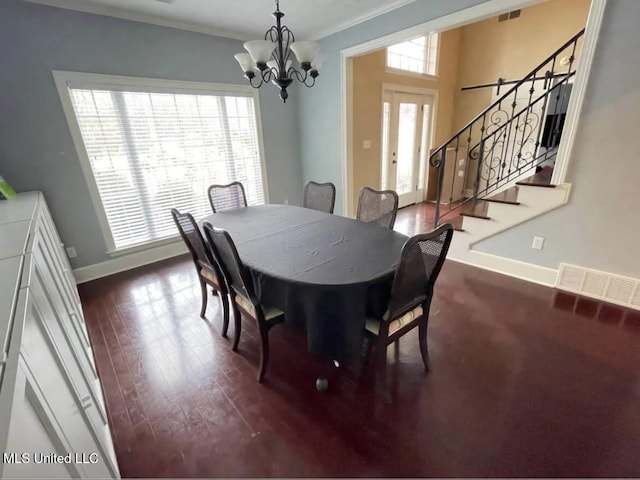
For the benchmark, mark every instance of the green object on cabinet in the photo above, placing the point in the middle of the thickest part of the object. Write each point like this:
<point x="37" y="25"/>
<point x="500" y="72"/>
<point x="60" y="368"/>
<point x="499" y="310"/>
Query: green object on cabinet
<point x="5" y="189"/>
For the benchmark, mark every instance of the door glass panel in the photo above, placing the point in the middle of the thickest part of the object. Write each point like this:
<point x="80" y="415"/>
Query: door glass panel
<point x="406" y="147"/>
<point x="386" y="117"/>
<point x="424" y="147"/>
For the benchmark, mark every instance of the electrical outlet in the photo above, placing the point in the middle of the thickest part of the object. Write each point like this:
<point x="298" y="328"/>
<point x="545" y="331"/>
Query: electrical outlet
<point x="366" y="144"/>
<point x="538" y="243"/>
<point x="286" y="201"/>
<point x="71" y="252"/>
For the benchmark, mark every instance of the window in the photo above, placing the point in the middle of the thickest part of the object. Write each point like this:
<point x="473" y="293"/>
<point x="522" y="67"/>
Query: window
<point x="419" y="55"/>
<point x="155" y="146"/>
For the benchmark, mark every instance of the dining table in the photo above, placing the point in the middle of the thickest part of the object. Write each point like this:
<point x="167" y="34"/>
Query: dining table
<point x="326" y="272"/>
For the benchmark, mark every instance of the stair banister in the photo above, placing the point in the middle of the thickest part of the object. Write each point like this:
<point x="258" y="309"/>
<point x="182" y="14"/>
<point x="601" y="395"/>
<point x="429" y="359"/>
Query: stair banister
<point x="437" y="157"/>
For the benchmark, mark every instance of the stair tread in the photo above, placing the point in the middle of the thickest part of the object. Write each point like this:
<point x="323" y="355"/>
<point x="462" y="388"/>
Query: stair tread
<point x="477" y="209"/>
<point x="509" y="196"/>
<point x="540" y="179"/>
<point x="457" y="223"/>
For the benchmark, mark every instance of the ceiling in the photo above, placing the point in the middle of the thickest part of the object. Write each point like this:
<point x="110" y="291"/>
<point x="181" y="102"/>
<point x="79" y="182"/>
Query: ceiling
<point x="242" y="19"/>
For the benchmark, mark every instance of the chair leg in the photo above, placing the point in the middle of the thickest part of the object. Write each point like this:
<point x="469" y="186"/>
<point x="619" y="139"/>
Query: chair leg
<point x="264" y="352"/>
<point x="381" y="354"/>
<point x="237" y="321"/>
<point x="203" y="309"/>
<point x="424" y="351"/>
<point x="225" y="313"/>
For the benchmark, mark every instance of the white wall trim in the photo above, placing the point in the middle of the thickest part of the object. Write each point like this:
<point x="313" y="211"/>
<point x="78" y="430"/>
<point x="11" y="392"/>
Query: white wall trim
<point x="127" y="262"/>
<point x="589" y="42"/>
<point x="346" y="132"/>
<point x="507" y="266"/>
<point x="362" y="18"/>
<point x="473" y="14"/>
<point x="398" y="88"/>
<point x="115" y="12"/>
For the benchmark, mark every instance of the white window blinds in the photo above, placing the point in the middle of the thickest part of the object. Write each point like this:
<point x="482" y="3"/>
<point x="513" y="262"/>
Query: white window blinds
<point x="419" y="55"/>
<point x="153" y="151"/>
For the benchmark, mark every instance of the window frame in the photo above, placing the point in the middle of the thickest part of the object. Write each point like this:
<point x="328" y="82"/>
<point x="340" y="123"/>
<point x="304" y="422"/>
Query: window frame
<point x="409" y="73"/>
<point x="65" y="80"/>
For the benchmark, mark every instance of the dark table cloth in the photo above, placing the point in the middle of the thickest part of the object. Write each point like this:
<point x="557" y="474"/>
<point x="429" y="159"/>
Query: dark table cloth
<point x="324" y="271"/>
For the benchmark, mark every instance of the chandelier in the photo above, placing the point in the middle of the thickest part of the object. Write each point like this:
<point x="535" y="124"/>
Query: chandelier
<point x="269" y="60"/>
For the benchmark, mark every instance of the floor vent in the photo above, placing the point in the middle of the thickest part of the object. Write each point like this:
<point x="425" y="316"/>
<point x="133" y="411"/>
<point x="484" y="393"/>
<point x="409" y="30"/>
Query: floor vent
<point x="612" y="288"/>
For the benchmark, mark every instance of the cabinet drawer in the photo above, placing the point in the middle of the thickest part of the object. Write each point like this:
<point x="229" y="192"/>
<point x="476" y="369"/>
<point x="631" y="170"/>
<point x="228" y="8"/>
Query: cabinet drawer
<point x="51" y="365"/>
<point x="66" y="329"/>
<point x="32" y="429"/>
<point x="49" y="231"/>
<point x="14" y="238"/>
<point x="9" y="280"/>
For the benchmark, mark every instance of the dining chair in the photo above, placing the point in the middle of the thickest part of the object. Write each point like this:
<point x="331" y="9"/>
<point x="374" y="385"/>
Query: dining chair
<point x="319" y="196"/>
<point x="206" y="267"/>
<point x="227" y="197"/>
<point x="243" y="297"/>
<point x="377" y="206"/>
<point x="421" y="260"/>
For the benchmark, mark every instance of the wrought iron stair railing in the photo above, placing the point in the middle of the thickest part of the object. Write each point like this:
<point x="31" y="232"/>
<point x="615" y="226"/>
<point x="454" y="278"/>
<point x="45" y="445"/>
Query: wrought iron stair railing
<point x="512" y="136"/>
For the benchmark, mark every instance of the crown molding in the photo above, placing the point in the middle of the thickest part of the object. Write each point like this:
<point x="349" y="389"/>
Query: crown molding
<point x="362" y="18"/>
<point x="108" y="11"/>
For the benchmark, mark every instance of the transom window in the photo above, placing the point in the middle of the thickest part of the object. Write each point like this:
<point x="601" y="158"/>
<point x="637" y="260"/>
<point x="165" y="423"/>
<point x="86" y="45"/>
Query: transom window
<point x="419" y="55"/>
<point x="150" y="148"/>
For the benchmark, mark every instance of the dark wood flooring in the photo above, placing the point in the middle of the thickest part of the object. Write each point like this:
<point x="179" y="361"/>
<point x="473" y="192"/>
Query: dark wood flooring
<point x="525" y="381"/>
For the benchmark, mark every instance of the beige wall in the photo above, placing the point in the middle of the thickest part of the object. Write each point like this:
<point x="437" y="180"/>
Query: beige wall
<point x="511" y="49"/>
<point x="369" y="73"/>
<point x="476" y="53"/>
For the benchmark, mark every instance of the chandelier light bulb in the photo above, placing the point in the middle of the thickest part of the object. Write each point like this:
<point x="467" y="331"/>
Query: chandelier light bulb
<point x="305" y="51"/>
<point x="245" y="61"/>
<point x="260" y="50"/>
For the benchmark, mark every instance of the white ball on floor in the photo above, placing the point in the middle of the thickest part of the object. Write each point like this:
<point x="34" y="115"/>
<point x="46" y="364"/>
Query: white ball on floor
<point x="322" y="384"/>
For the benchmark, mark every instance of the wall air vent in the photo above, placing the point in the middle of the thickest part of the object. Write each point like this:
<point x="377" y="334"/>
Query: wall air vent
<point x="509" y="16"/>
<point x="605" y="286"/>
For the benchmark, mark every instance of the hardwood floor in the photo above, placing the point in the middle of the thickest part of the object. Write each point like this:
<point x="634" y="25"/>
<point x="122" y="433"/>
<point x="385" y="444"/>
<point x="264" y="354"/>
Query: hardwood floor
<point x="525" y="381"/>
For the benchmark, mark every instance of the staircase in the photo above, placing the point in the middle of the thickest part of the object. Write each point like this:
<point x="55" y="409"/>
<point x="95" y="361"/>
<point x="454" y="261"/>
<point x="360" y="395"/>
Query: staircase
<point x="511" y="147"/>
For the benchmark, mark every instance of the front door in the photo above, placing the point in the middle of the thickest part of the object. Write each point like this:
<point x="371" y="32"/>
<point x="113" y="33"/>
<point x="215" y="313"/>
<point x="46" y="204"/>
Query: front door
<point x="406" y="139"/>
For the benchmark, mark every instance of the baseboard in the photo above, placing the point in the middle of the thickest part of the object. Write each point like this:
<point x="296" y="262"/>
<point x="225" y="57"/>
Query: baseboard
<point x="127" y="262"/>
<point x="506" y="266"/>
<point x="609" y="287"/>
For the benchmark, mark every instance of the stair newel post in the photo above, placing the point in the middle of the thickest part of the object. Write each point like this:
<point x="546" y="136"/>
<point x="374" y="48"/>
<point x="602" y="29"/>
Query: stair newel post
<point x="440" y="164"/>
<point x="476" y="184"/>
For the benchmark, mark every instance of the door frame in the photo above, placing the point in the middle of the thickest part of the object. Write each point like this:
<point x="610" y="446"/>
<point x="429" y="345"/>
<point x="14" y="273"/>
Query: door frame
<point x="397" y="88"/>
<point x="476" y="13"/>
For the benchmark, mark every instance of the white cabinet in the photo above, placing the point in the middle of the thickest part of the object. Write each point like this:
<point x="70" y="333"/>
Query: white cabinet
<point x="52" y="417"/>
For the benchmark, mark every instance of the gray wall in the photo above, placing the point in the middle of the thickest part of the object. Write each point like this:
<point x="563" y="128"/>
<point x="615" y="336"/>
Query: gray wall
<point x="600" y="226"/>
<point x="319" y="107"/>
<point x="36" y="150"/>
